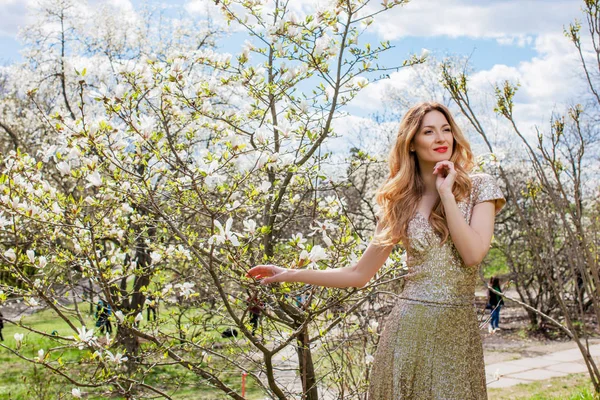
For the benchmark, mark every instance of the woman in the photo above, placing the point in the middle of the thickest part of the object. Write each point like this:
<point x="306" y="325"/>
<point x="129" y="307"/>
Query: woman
<point x="444" y="218"/>
<point x="495" y="303"/>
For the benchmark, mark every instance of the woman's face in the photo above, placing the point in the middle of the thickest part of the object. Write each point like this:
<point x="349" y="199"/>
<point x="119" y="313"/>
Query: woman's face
<point x="433" y="142"/>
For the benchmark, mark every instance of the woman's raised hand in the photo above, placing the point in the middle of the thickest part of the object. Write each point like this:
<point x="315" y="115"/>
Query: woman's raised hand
<point x="268" y="273"/>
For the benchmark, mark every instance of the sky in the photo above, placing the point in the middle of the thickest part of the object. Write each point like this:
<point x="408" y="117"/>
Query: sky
<point x="518" y="40"/>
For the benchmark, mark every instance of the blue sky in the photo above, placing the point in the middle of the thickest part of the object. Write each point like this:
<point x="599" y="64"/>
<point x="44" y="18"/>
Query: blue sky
<point x="518" y="40"/>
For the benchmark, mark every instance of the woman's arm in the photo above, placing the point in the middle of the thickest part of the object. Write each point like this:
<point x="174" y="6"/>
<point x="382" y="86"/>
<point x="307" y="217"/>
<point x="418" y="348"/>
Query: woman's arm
<point x="472" y="241"/>
<point x="357" y="275"/>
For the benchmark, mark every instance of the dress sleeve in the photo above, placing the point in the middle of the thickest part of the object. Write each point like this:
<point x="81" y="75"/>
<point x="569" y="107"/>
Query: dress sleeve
<point x="487" y="189"/>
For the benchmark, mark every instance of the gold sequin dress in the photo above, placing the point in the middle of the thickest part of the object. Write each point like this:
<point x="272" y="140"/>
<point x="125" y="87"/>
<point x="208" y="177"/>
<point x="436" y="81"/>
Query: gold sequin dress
<point x="430" y="347"/>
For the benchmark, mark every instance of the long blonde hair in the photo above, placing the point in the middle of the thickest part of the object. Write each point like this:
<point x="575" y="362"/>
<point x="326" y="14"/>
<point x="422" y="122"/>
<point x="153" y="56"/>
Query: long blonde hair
<point x="399" y="195"/>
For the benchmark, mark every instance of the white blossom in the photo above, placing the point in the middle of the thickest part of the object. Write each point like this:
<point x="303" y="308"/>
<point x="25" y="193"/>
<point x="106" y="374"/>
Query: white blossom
<point x="250" y="227"/>
<point x="155" y="257"/>
<point x="298" y="240"/>
<point x="42" y="262"/>
<point x="64" y="168"/>
<point x="264" y="186"/>
<point x="40" y="356"/>
<point x="225" y="234"/>
<point x="115" y="358"/>
<point x="139" y="318"/>
<point x="185" y="289"/>
<point x="120" y="316"/>
<point x="10" y="254"/>
<point x="31" y="255"/>
<point x="18" y="339"/>
<point x="94" y="179"/>
<point x="76" y="393"/>
<point x="85" y="337"/>
<point x="317" y="253"/>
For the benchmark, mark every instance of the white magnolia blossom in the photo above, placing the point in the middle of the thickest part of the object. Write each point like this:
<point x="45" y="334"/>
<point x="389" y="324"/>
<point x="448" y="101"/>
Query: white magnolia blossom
<point x="322" y="227"/>
<point x="32" y="302"/>
<point x="64" y="168"/>
<point x="155" y="257"/>
<point x="369" y="359"/>
<point x="85" y="337"/>
<point x="120" y="316"/>
<point x="126" y="208"/>
<point x="139" y="318"/>
<point x="115" y="358"/>
<point x="4" y="222"/>
<point x="250" y="226"/>
<point x="185" y="289"/>
<point x="40" y="356"/>
<point x="42" y="262"/>
<point x="19" y="338"/>
<point x="76" y="393"/>
<point x="317" y="253"/>
<point x="94" y="179"/>
<point x="31" y="256"/>
<point x="298" y="240"/>
<point x="11" y="255"/>
<point x="264" y="186"/>
<point x="225" y="234"/>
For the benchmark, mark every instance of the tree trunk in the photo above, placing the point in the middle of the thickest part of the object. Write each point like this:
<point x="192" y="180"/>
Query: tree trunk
<point x="307" y="369"/>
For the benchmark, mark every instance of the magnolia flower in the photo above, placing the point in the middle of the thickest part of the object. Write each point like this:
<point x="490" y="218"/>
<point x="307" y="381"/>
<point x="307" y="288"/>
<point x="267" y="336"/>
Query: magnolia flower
<point x="31" y="255"/>
<point x="76" y="393"/>
<point x="64" y="168"/>
<point x="32" y="302"/>
<point x="120" y="316"/>
<point x="185" y="288"/>
<point x="18" y="339"/>
<point x="369" y="359"/>
<point x="298" y="240"/>
<point x="317" y="253"/>
<point x="11" y="255"/>
<point x="40" y="356"/>
<point x="116" y="358"/>
<point x="403" y="259"/>
<point x="322" y="227"/>
<point x="224" y="234"/>
<point x="264" y="186"/>
<point x="373" y="325"/>
<point x="94" y="179"/>
<point x="360" y="81"/>
<point x="156" y="257"/>
<point x="139" y="318"/>
<point x="250" y="226"/>
<point x="84" y="337"/>
<point x="4" y="222"/>
<point x="126" y="208"/>
<point x="42" y="262"/>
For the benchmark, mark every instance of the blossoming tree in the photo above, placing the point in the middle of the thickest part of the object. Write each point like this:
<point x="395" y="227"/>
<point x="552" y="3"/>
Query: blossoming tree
<point x="165" y="171"/>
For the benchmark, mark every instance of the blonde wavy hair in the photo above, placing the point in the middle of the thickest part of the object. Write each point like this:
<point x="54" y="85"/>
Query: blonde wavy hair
<point x="399" y="195"/>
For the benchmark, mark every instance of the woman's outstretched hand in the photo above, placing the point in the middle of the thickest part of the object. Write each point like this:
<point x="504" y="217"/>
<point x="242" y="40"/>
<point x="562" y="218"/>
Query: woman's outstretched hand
<point x="268" y="273"/>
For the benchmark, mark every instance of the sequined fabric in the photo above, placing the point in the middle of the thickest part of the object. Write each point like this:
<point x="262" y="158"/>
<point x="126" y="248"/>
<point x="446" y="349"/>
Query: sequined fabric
<point x="430" y="347"/>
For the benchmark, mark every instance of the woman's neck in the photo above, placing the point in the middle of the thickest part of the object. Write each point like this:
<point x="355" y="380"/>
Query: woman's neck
<point x="426" y="171"/>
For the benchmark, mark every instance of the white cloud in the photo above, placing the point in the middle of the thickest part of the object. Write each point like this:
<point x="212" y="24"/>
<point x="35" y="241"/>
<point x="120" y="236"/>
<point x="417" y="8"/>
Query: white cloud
<point x="13" y="16"/>
<point x="509" y="21"/>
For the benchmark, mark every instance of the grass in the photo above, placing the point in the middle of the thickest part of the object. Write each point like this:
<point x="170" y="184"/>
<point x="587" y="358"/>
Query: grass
<point x="20" y="379"/>
<point x="571" y="387"/>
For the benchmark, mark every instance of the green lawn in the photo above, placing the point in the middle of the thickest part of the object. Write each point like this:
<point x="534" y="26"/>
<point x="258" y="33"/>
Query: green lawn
<point x="571" y="387"/>
<point x="20" y="379"/>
